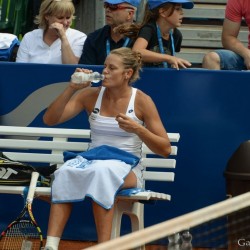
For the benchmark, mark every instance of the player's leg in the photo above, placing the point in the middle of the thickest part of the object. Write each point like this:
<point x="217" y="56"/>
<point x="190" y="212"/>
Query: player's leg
<point x="103" y="217"/>
<point x="59" y="215"/>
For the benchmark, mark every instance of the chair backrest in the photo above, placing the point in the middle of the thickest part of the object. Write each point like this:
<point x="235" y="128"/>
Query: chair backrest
<point x="46" y="145"/>
<point x="157" y="168"/>
<point x="41" y="145"/>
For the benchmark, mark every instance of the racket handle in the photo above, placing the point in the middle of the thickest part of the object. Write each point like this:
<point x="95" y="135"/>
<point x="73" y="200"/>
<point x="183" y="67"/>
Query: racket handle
<point x="32" y="187"/>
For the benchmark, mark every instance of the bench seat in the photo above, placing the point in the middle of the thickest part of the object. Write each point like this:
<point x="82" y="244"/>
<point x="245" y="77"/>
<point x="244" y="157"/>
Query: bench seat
<point x="36" y="145"/>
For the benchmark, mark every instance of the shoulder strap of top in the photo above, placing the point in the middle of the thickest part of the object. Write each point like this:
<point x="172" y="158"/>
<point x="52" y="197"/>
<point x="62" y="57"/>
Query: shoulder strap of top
<point x="99" y="99"/>
<point x="132" y="102"/>
<point x="130" y="108"/>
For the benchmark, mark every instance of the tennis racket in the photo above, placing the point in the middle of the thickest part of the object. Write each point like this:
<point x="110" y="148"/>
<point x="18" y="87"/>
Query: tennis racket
<point x="23" y="233"/>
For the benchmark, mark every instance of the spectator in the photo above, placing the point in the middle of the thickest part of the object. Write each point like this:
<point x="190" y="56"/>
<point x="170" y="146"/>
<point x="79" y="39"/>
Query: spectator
<point x="234" y="56"/>
<point x="121" y="118"/>
<point x="54" y="41"/>
<point x="100" y="42"/>
<point x="158" y="38"/>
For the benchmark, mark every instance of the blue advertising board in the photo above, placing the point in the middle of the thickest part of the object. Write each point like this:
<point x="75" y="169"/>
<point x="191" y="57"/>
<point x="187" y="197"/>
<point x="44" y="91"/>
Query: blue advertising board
<point x="210" y="110"/>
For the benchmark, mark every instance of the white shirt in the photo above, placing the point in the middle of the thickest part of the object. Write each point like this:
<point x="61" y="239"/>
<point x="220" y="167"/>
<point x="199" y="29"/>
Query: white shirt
<point x="34" y="50"/>
<point x="106" y="131"/>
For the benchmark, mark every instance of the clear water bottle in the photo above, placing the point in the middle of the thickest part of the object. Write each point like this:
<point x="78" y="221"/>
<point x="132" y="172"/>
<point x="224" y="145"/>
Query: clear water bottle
<point x="186" y="240"/>
<point x="80" y="77"/>
<point x="173" y="241"/>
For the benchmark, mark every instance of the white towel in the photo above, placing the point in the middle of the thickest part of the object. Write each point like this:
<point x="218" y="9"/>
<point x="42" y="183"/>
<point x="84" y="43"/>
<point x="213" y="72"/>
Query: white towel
<point x="6" y="40"/>
<point x="97" y="179"/>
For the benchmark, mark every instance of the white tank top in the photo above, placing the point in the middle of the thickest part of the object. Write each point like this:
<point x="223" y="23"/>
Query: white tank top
<point x="105" y="130"/>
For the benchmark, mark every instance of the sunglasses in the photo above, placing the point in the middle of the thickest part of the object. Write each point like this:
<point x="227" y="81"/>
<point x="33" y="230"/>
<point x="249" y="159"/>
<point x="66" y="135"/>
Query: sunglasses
<point x="114" y="7"/>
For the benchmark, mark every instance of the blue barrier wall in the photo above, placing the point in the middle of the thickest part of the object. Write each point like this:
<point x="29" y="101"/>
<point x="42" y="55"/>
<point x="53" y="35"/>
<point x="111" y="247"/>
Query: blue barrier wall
<point x="210" y="109"/>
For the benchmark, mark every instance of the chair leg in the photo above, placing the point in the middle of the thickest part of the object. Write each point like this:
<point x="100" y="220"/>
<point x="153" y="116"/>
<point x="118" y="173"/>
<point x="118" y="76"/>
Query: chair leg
<point x="134" y="210"/>
<point x="116" y="223"/>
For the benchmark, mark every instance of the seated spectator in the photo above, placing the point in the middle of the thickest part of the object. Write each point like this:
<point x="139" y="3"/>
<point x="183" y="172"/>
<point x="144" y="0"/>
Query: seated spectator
<point x="235" y="56"/>
<point x="158" y="38"/>
<point x="121" y="118"/>
<point x="54" y="42"/>
<point x="100" y="42"/>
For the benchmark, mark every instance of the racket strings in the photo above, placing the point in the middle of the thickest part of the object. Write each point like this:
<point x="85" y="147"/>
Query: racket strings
<point x="24" y="233"/>
<point x="21" y="235"/>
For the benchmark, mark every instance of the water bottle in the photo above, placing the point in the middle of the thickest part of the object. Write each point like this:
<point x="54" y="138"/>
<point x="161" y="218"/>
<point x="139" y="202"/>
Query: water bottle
<point x="186" y="240"/>
<point x="80" y="77"/>
<point x="173" y="241"/>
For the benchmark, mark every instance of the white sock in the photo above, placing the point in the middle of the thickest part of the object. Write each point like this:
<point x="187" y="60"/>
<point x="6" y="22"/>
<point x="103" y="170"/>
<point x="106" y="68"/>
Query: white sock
<point x="52" y="243"/>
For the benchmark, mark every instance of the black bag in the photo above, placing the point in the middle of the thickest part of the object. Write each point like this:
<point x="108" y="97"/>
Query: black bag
<point x="16" y="173"/>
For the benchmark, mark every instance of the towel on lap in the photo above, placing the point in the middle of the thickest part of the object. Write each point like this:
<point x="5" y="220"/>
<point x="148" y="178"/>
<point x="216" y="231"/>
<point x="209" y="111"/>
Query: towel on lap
<point x="105" y="152"/>
<point x="98" y="173"/>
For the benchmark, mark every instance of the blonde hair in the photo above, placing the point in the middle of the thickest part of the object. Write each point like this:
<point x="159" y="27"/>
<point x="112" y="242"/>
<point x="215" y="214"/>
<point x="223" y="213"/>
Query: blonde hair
<point x="131" y="60"/>
<point x="53" y="8"/>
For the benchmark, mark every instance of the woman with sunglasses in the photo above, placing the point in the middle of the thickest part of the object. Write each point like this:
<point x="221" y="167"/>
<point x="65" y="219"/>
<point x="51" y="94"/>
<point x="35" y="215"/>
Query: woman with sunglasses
<point x="54" y="42"/>
<point x="158" y="38"/>
<point x="121" y="118"/>
<point x="100" y="42"/>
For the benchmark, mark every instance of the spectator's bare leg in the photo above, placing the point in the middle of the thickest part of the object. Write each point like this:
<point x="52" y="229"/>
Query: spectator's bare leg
<point x="211" y="61"/>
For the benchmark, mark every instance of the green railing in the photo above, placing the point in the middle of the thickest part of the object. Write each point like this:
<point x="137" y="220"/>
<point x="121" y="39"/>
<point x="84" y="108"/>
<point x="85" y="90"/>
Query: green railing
<point x="7" y="15"/>
<point x="14" y="17"/>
